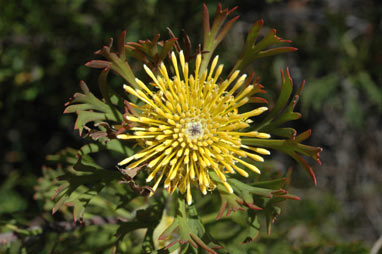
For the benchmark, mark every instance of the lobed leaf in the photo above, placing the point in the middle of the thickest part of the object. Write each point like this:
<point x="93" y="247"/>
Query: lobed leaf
<point x="282" y="112"/>
<point x="187" y="231"/>
<point x="90" y="109"/>
<point x="151" y="52"/>
<point x="254" y="49"/>
<point x="214" y="34"/>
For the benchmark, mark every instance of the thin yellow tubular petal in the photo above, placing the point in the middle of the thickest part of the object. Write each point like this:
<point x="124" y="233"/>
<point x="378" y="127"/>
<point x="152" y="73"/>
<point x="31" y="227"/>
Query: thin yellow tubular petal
<point x="202" y="80"/>
<point x="153" y="173"/>
<point x="172" y="174"/>
<point x="233" y="76"/>
<point x="257" y="150"/>
<point x="250" y="166"/>
<point x="150" y="121"/>
<point x="145" y="158"/>
<point x="175" y="64"/>
<point x="155" y="187"/>
<point x="228" y="167"/>
<point x="147" y="151"/>
<point x="182" y="60"/>
<point x="207" y="152"/>
<point x="194" y="156"/>
<point x="218" y="72"/>
<point x="191" y="81"/>
<point x="196" y="168"/>
<point x="125" y="161"/>
<point x="238" y="84"/>
<point x="213" y="65"/>
<point x="144" y="96"/>
<point x="160" y="137"/>
<point x="203" y="189"/>
<point x="202" y="162"/>
<point x="237" y="105"/>
<point x="139" y="94"/>
<point x="228" y="187"/>
<point x="192" y="171"/>
<point x="255" y="157"/>
<point x="233" y="149"/>
<point x="162" y="84"/>
<point x="234" y="126"/>
<point x="208" y="87"/>
<point x="151" y="74"/>
<point x="179" y="109"/>
<point x="186" y="158"/>
<point x="168" y="158"/>
<point x="204" y="178"/>
<point x="170" y="121"/>
<point x="146" y="133"/>
<point x="220" y="174"/>
<point x="206" y="160"/>
<point x="163" y="71"/>
<point x="159" y="102"/>
<point x="170" y="106"/>
<point x="216" y="148"/>
<point x="226" y="83"/>
<point x="155" y="161"/>
<point x="240" y="170"/>
<point x="168" y="142"/>
<point x="229" y="140"/>
<point x="198" y="60"/>
<point x="245" y="92"/>
<point x="175" y="143"/>
<point x="185" y="74"/>
<point x="189" y="196"/>
<point x="253" y="134"/>
<point x="254" y="112"/>
<point x="126" y="136"/>
<point x="160" y="112"/>
<point x="180" y="152"/>
<point x="168" y="150"/>
<point x="167" y="183"/>
<point x="139" y="129"/>
<point x="143" y="86"/>
<point x="183" y="102"/>
<point x="167" y="132"/>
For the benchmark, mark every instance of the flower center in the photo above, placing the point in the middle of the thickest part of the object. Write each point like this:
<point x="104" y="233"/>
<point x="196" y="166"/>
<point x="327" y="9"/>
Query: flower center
<point x="194" y="130"/>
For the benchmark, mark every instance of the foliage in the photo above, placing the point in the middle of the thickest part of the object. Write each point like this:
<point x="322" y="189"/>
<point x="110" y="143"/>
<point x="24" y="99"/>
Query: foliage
<point x="84" y="185"/>
<point x="99" y="189"/>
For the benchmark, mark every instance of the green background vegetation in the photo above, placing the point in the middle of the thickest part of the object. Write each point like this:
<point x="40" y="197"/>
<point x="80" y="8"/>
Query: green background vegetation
<point x="44" y="45"/>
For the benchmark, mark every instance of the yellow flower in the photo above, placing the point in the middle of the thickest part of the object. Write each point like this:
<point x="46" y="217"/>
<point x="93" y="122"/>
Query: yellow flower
<point x="191" y="126"/>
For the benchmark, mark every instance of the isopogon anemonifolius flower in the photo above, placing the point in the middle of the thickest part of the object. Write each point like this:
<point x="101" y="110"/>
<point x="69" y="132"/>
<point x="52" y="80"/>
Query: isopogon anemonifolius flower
<point x="191" y="125"/>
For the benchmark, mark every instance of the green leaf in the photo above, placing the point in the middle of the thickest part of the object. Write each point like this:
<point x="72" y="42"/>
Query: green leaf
<point x="187" y="231"/>
<point x="116" y="60"/>
<point x="151" y="52"/>
<point x="113" y="145"/>
<point x="90" y="109"/>
<point x="292" y="147"/>
<point x="147" y="218"/>
<point x="272" y="120"/>
<point x="281" y="113"/>
<point x="254" y="50"/>
<point x="215" y="34"/>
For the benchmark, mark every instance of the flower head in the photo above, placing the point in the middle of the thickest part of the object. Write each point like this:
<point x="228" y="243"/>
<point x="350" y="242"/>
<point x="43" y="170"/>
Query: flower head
<point x="191" y="126"/>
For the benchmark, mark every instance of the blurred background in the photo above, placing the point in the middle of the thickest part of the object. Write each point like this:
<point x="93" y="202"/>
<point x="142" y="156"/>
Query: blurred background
<point x="44" y="45"/>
